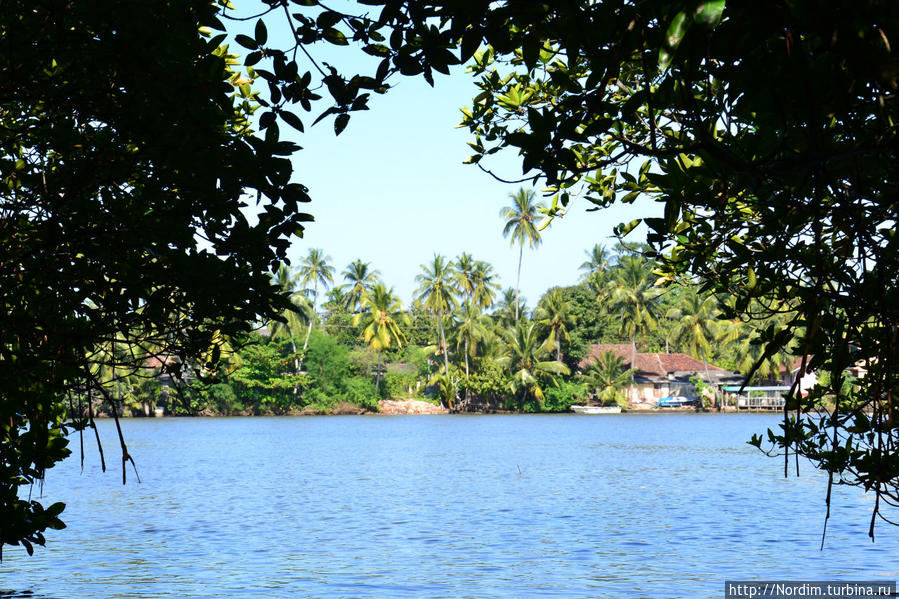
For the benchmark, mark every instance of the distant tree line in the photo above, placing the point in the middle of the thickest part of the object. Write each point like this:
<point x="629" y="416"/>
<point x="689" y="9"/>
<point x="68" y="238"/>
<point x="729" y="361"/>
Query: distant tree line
<point x="346" y="340"/>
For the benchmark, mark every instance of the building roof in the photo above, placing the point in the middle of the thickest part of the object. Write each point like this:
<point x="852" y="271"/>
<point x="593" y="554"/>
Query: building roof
<point x="650" y="365"/>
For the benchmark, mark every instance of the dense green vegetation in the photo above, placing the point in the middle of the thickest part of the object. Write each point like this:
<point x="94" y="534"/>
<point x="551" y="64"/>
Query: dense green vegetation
<point x="458" y="343"/>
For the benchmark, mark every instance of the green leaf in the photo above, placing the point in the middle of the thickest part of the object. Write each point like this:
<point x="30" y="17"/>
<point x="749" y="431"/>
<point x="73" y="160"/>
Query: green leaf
<point x="292" y="120"/>
<point x="252" y="58"/>
<point x="335" y="37"/>
<point x="623" y="229"/>
<point x="376" y="50"/>
<point x="246" y="41"/>
<point x="261" y="33"/>
<point x="708" y="14"/>
<point x="677" y="30"/>
<point x="340" y="123"/>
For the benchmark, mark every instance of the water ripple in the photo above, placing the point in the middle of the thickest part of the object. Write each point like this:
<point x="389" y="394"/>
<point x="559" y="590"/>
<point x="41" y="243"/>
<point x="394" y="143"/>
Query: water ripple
<point x="493" y="506"/>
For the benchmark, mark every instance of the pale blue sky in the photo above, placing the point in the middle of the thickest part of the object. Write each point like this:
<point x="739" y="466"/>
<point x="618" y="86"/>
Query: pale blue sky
<point x="392" y="190"/>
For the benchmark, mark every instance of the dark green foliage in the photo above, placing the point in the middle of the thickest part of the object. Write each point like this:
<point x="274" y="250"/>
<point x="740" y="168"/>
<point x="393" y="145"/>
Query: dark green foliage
<point x="218" y="398"/>
<point x="361" y="392"/>
<point x="266" y="382"/>
<point x="560" y="398"/>
<point x="327" y="364"/>
<point x="590" y="324"/>
<point x="422" y="329"/>
<point x="398" y="385"/>
<point x="489" y="385"/>
<point x="124" y="163"/>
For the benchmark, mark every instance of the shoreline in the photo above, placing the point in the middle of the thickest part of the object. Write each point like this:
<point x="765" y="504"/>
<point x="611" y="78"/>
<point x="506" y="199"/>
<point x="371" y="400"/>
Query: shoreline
<point x="416" y="407"/>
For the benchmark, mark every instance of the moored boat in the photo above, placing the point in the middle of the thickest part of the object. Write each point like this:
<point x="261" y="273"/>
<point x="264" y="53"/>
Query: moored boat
<point x="596" y="409"/>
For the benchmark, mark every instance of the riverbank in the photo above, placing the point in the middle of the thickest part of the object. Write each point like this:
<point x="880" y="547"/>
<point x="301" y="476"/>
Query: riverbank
<point x="389" y="407"/>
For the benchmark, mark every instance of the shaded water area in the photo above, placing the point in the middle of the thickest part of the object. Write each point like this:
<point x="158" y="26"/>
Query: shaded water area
<point x="657" y="505"/>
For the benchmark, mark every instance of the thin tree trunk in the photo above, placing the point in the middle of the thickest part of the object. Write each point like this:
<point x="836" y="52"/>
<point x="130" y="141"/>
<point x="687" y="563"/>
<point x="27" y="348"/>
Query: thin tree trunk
<point x="466" y="373"/>
<point x="443" y="341"/>
<point x="633" y="355"/>
<point x="518" y="280"/>
<point x="305" y="345"/>
<point x="708" y="379"/>
<point x="378" y="374"/>
<point x="297" y="364"/>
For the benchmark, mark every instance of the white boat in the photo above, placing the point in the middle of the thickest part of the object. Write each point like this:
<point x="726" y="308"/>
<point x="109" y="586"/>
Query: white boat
<point x="596" y="409"/>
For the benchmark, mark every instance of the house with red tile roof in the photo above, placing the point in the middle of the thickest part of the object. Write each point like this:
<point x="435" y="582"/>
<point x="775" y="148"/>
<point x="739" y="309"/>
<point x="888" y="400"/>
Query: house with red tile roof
<point x="659" y="375"/>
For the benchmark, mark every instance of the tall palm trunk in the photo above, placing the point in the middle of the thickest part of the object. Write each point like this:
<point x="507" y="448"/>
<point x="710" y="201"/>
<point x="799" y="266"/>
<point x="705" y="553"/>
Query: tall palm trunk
<point x="518" y="280"/>
<point x="378" y="375"/>
<point x="311" y="321"/>
<point x="466" y="374"/>
<point x="305" y="345"/>
<point x="558" y="346"/>
<point x="443" y="341"/>
<point x="297" y="364"/>
<point x="708" y="379"/>
<point x="633" y="355"/>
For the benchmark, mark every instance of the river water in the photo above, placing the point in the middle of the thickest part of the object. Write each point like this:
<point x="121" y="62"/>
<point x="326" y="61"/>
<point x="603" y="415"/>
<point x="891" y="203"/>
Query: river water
<point x="657" y="505"/>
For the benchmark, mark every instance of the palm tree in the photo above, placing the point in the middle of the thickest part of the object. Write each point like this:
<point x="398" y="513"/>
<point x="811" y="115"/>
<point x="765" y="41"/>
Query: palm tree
<point x="524" y="358"/>
<point x="505" y="311"/>
<point x="553" y="315"/>
<point x="315" y="269"/>
<point x="695" y="325"/>
<point x="635" y="300"/>
<point x="296" y="315"/>
<point x="436" y="293"/>
<point x="463" y="274"/>
<point x="470" y="329"/>
<point x="381" y="317"/>
<point x="597" y="261"/>
<point x="751" y="353"/>
<point x="519" y="224"/>
<point x="360" y="277"/>
<point x="485" y="287"/>
<point x="607" y="376"/>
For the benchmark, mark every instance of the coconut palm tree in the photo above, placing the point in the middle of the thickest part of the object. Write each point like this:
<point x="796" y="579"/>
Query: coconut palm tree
<point x="297" y="315"/>
<point x="520" y="217"/>
<point x="597" y="261"/>
<point x="506" y="308"/>
<point x="471" y="327"/>
<point x="463" y="274"/>
<point x="607" y="376"/>
<point x="554" y="317"/>
<point x="315" y="270"/>
<point x="437" y="295"/>
<point x="381" y="317"/>
<point x="752" y="357"/>
<point x="360" y="277"/>
<point x="485" y="286"/>
<point x="633" y="298"/>
<point x="695" y="327"/>
<point x="525" y="359"/>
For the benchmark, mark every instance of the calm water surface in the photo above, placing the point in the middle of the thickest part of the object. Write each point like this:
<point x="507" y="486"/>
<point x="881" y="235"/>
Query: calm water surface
<point x="446" y="506"/>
